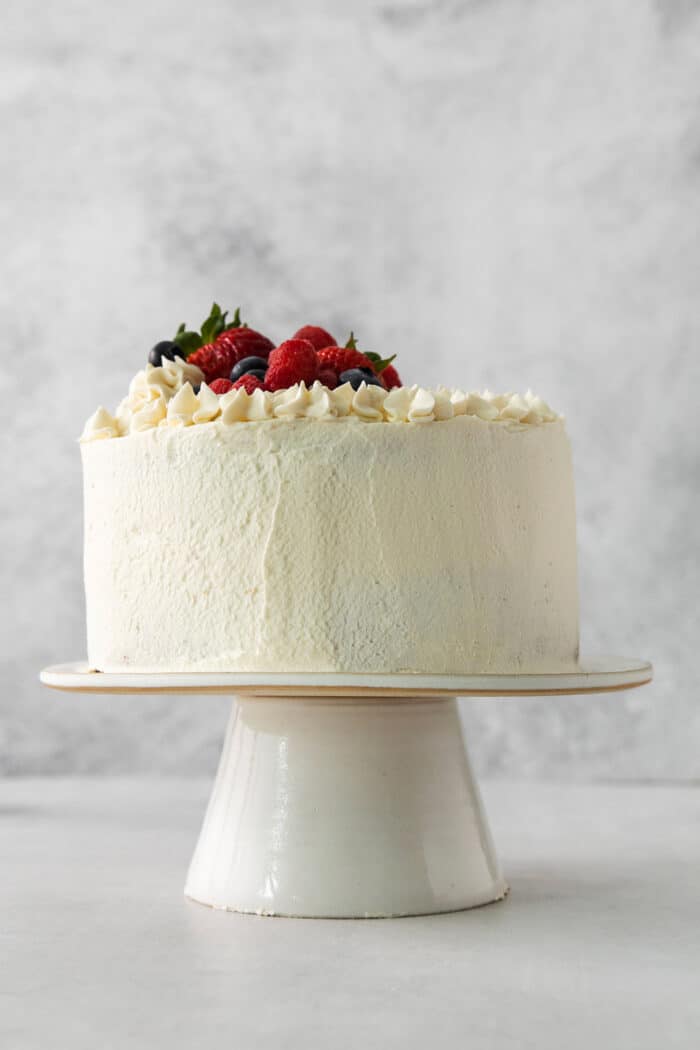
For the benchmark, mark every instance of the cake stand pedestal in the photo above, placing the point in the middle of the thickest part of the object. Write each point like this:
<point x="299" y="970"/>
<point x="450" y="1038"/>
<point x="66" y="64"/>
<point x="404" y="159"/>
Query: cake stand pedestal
<point x="347" y="795"/>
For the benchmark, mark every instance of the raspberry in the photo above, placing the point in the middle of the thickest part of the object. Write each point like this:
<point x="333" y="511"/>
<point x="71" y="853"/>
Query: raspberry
<point x="249" y="383"/>
<point x="294" y="361"/>
<point x="221" y="386"/>
<point x="318" y="337"/>
<point x="328" y="377"/>
<point x="390" y="377"/>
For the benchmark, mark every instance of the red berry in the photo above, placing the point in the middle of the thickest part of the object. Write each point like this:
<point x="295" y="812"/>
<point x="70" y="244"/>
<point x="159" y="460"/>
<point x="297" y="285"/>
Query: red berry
<point x="390" y="377"/>
<point x="246" y="342"/>
<point x="218" y="358"/>
<point x="294" y="361"/>
<point x="318" y="337"/>
<point x="341" y="358"/>
<point x="207" y="358"/>
<point x="328" y="377"/>
<point x="249" y="383"/>
<point x="235" y="344"/>
<point x="221" y="386"/>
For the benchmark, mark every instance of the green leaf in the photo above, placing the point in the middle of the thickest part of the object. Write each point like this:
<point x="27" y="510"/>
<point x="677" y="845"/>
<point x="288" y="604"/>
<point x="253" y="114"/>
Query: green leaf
<point x="379" y="363"/>
<point x="235" y="322"/>
<point x="188" y="341"/>
<point x="352" y="342"/>
<point x="213" y="325"/>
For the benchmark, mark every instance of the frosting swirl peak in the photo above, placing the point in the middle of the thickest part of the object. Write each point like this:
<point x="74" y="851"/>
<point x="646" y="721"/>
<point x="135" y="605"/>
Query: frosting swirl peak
<point x="165" y="396"/>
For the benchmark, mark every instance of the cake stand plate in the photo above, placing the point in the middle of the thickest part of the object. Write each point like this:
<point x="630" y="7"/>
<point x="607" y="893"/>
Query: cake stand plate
<point x="343" y="795"/>
<point x="601" y="674"/>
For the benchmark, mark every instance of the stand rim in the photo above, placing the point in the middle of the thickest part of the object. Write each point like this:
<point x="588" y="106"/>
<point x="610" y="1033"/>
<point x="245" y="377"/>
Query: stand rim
<point x="595" y="675"/>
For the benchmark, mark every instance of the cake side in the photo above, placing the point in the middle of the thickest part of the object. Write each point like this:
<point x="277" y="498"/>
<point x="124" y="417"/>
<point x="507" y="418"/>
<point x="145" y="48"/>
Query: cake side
<point x="327" y="544"/>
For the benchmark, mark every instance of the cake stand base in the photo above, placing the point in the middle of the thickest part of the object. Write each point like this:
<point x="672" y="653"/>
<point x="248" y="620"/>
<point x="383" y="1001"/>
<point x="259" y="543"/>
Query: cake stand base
<point x="347" y="795"/>
<point x="330" y="807"/>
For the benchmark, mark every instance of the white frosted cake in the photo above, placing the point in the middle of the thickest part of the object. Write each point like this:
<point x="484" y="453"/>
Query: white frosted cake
<point x="334" y="523"/>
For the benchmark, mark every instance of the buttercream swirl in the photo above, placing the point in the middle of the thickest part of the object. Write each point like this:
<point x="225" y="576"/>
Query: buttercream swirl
<point x="368" y="403"/>
<point x="100" y="425"/>
<point x="151" y="391"/>
<point x="165" y="396"/>
<point x="209" y="405"/>
<point x="149" y="412"/>
<point x="182" y="408"/>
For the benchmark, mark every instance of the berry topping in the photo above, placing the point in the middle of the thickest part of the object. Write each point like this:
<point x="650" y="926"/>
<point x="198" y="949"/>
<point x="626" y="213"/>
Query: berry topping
<point x="328" y="377"/>
<point x="220" y="344"/>
<point x="209" y="360"/>
<point x="230" y="355"/>
<point x="249" y="382"/>
<point x="318" y="337"/>
<point x="294" y="361"/>
<point x="221" y="386"/>
<point x="219" y="358"/>
<point x="164" y="349"/>
<point x="246" y="342"/>
<point x="357" y="376"/>
<point x="390" y="377"/>
<point x="248" y="364"/>
<point x="340" y="358"/>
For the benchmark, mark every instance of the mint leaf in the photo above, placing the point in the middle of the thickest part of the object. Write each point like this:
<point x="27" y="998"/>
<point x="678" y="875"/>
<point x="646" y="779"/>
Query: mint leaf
<point x="379" y="363"/>
<point x="188" y="342"/>
<point x="213" y="325"/>
<point x="235" y="322"/>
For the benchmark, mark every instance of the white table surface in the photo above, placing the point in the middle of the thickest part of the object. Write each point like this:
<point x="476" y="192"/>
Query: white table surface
<point x="596" y="947"/>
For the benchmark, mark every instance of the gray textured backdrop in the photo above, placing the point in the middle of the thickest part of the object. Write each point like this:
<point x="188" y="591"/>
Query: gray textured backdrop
<point x="505" y="193"/>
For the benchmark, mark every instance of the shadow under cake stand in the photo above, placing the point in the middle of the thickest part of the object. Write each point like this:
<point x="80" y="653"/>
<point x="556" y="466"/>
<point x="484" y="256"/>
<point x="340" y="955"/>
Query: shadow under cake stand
<point x="347" y="795"/>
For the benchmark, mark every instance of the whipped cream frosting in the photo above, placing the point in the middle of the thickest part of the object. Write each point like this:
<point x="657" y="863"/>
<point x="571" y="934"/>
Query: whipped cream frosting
<point x="165" y="397"/>
<point x="346" y="546"/>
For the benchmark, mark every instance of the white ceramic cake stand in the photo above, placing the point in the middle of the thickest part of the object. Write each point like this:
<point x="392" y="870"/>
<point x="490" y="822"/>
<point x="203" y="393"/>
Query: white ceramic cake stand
<point x="347" y="795"/>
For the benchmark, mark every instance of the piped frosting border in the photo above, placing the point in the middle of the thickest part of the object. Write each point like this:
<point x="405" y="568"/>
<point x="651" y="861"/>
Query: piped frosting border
<point x="164" y="396"/>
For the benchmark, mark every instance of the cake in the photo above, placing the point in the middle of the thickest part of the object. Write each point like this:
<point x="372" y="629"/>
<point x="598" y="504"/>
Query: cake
<point x="308" y="512"/>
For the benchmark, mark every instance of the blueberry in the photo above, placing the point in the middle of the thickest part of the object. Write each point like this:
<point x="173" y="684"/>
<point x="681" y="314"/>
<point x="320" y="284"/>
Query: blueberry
<point x="197" y="387"/>
<point x="258" y="373"/>
<point x="357" y="376"/>
<point x="248" y="364"/>
<point x="164" y="349"/>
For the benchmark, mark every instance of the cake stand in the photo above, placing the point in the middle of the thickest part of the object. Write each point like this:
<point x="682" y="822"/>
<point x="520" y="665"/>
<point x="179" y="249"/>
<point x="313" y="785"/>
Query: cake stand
<point x="347" y="795"/>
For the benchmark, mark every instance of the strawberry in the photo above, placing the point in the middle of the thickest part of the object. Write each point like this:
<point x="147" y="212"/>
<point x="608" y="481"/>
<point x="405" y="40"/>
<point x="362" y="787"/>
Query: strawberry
<point x="218" y="358"/>
<point x="221" y="386"/>
<point x="318" y="337"/>
<point x="294" y="361"/>
<point x="219" y="345"/>
<point x="341" y="358"/>
<point x="243" y="342"/>
<point x="207" y="358"/>
<point x="249" y="383"/>
<point x="381" y="366"/>
<point x="390" y="377"/>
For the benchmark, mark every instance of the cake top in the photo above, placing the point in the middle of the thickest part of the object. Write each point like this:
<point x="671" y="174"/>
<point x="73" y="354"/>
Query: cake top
<point x="229" y="373"/>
